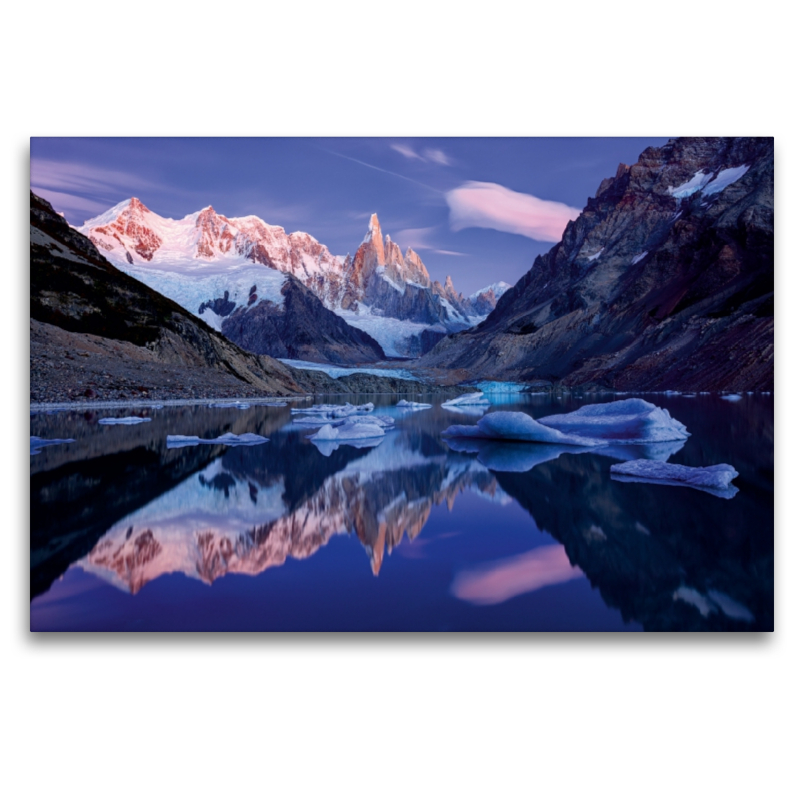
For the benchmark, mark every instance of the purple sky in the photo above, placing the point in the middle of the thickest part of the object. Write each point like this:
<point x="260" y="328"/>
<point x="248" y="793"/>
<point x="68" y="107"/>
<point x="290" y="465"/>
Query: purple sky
<point x="479" y="209"/>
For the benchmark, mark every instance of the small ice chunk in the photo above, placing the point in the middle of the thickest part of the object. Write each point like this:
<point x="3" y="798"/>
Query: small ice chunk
<point x="474" y="399"/>
<point x="336" y="411"/>
<point x="229" y="405"/>
<point x="361" y="428"/>
<point x="733" y="398"/>
<point x="516" y="426"/>
<point x="123" y="420"/>
<point x="38" y="443"/>
<point x="632" y="421"/>
<point x="410" y="405"/>
<point x="714" y="479"/>
<point x="229" y="439"/>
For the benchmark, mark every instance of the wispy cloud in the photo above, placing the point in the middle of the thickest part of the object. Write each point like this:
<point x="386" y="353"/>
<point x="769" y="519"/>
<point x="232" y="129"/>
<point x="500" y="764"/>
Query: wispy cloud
<point x="438" y="157"/>
<point x="406" y="151"/>
<point x="429" y="154"/>
<point x="489" y="205"/>
<point x="387" y="171"/>
<point x="420" y="239"/>
<point x="67" y="176"/>
<point x="71" y="205"/>
<point x="501" y="580"/>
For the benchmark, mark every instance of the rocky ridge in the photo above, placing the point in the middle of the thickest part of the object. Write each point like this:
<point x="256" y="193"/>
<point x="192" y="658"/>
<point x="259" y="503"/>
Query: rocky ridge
<point x="665" y="281"/>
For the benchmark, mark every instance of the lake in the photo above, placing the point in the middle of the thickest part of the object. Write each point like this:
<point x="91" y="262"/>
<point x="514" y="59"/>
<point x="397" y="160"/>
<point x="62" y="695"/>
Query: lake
<point x="413" y="534"/>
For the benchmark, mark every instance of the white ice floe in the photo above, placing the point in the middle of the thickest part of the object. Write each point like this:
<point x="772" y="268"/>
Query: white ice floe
<point x="230" y="439"/>
<point x="632" y="421"/>
<point x="716" y="479"/>
<point x="361" y="428"/>
<point x="38" y="443"/>
<point x="409" y="405"/>
<point x="516" y="426"/>
<point x="473" y="399"/>
<point x="123" y="420"/>
<point x="381" y="420"/>
<point x="336" y="412"/>
<point x="229" y="405"/>
<point x="733" y="398"/>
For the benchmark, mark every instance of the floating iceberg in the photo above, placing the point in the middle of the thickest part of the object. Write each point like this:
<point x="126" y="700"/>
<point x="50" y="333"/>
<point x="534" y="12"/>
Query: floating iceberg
<point x="632" y="421"/>
<point x="715" y="480"/>
<point x="366" y="428"/>
<point x="122" y="420"/>
<point x="515" y="426"/>
<point x="733" y="398"/>
<point x="474" y="399"/>
<point x="37" y="443"/>
<point x="229" y="405"/>
<point x="409" y="405"/>
<point x="336" y="412"/>
<point x="230" y="439"/>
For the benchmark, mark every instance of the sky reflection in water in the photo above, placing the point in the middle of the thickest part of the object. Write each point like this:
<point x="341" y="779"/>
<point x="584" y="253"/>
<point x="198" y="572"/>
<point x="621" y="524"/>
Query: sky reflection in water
<point x="412" y="534"/>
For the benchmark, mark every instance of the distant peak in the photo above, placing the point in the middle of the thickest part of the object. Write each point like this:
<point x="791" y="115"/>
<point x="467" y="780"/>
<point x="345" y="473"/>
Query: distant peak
<point x="135" y="204"/>
<point x="374" y="224"/>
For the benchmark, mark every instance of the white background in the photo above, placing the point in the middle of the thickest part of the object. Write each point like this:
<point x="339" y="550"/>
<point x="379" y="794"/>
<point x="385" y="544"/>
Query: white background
<point x="494" y="716"/>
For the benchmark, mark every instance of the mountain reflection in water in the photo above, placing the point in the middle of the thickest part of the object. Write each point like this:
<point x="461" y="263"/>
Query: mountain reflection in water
<point x="129" y="512"/>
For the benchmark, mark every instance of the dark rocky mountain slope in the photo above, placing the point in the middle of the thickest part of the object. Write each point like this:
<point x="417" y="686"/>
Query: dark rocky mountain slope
<point x="300" y="328"/>
<point x="665" y="281"/>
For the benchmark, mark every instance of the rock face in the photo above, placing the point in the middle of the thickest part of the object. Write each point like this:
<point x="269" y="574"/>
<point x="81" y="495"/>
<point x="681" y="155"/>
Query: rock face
<point x="300" y="328"/>
<point x="665" y="281"/>
<point x="95" y="329"/>
<point x="207" y="262"/>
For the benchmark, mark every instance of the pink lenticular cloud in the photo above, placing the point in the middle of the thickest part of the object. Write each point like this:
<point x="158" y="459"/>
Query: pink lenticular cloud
<point x="489" y="205"/>
<point x="501" y="580"/>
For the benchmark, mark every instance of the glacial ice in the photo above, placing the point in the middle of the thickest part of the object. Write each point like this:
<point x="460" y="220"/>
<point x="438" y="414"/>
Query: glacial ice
<point x="725" y="178"/>
<point x="516" y="426"/>
<point x="715" y="480"/>
<point x="230" y="439"/>
<point x="632" y="421"/>
<point x="362" y="428"/>
<point x="38" y="443"/>
<point x="695" y="184"/>
<point x="474" y="399"/>
<point x="123" y="420"/>
<point x="501" y="387"/>
<point x="409" y="405"/>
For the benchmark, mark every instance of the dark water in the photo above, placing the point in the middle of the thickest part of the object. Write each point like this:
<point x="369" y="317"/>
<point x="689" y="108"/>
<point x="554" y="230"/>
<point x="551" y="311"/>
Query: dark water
<point x="408" y="535"/>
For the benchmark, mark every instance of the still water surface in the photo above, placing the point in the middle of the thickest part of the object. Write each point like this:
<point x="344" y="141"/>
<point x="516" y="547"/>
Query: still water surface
<point x="407" y="535"/>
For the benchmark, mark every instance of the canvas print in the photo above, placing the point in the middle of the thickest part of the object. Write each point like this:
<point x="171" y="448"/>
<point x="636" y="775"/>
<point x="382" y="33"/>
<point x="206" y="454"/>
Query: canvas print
<point x="401" y="384"/>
